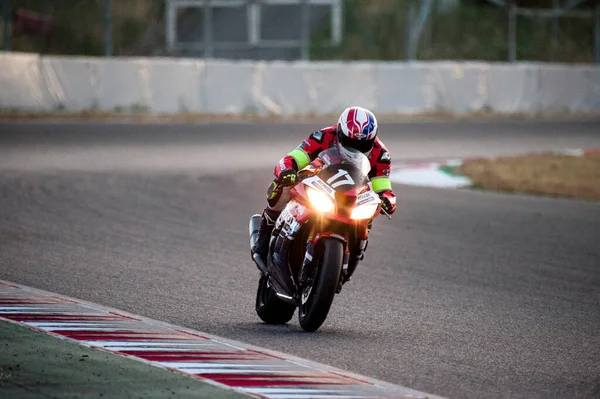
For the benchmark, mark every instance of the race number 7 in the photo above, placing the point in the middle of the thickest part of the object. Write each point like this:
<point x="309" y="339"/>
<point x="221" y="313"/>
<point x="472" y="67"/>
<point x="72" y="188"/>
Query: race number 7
<point x="347" y="179"/>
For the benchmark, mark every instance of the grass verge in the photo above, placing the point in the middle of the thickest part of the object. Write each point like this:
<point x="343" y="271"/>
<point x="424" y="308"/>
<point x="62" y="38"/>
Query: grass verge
<point x="36" y="365"/>
<point x="541" y="174"/>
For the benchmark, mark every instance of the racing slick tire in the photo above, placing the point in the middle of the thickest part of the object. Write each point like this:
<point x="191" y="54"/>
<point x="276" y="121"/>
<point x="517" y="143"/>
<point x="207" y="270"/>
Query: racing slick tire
<point x="318" y="296"/>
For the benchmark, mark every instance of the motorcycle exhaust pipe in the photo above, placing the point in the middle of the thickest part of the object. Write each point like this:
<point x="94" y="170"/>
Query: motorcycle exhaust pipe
<point x="253" y="228"/>
<point x="261" y="265"/>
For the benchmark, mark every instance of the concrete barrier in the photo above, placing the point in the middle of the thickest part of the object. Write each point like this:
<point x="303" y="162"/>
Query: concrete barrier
<point x="174" y="86"/>
<point x="22" y="86"/>
<point x="229" y="88"/>
<point x="33" y="83"/>
<point x="337" y="85"/>
<point x="283" y="88"/>
<point x="404" y="89"/>
<point x="74" y="83"/>
<point x="459" y="88"/>
<point x="513" y="88"/>
<point x="568" y="89"/>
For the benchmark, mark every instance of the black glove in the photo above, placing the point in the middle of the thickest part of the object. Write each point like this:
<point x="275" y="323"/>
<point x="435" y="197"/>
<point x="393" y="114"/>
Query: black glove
<point x="386" y="204"/>
<point x="287" y="177"/>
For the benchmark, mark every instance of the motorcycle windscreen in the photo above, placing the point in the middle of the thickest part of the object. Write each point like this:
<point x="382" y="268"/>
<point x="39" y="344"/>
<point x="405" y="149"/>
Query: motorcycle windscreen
<point x="343" y="177"/>
<point x="349" y="156"/>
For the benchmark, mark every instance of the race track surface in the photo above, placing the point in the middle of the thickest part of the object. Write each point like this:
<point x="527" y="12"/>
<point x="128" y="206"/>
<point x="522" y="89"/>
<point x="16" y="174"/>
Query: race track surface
<point x="463" y="294"/>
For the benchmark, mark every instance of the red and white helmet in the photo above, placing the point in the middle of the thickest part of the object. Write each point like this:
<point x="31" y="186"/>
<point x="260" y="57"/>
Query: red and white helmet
<point x="357" y="128"/>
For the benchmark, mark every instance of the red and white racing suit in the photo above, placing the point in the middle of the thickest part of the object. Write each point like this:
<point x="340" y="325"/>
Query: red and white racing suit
<point x="308" y="151"/>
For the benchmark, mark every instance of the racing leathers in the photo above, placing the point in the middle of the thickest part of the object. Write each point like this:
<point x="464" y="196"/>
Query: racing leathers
<point x="278" y="193"/>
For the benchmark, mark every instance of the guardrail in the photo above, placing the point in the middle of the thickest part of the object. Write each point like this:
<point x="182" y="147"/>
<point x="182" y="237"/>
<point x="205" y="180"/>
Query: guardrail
<point x="34" y="83"/>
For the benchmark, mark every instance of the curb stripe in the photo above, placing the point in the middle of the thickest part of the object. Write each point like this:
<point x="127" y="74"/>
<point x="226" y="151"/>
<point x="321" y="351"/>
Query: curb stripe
<point x="443" y="174"/>
<point x="232" y="365"/>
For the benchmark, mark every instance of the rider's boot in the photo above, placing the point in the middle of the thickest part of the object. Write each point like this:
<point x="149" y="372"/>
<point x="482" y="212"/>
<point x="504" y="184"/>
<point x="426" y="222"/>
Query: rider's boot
<point x="267" y="222"/>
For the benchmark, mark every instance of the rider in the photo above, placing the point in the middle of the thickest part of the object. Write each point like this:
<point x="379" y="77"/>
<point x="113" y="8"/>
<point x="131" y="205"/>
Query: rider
<point x="356" y="128"/>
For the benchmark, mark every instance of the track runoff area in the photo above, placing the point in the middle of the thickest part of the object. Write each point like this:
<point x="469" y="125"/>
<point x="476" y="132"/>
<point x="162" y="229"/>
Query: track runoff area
<point x="231" y="365"/>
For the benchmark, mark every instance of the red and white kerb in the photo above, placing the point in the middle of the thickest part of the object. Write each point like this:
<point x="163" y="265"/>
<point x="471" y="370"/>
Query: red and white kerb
<point x="221" y="362"/>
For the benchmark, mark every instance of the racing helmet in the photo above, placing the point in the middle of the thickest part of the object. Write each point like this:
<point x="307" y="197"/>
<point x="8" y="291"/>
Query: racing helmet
<point x="357" y="128"/>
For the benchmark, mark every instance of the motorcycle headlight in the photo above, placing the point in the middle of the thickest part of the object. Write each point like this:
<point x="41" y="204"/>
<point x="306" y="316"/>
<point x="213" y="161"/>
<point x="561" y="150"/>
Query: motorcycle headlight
<point x="366" y="211"/>
<point x="319" y="200"/>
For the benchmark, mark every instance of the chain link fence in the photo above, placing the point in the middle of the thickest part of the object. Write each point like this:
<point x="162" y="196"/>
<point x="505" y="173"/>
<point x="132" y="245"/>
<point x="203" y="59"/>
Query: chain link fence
<point x="492" y="30"/>
<point x="486" y="30"/>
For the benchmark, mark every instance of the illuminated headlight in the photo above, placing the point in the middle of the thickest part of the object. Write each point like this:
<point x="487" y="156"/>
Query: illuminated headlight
<point x="365" y="211"/>
<point x="319" y="200"/>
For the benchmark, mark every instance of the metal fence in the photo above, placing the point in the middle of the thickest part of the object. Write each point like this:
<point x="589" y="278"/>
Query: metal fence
<point x="492" y="30"/>
<point x="485" y="30"/>
<point x="570" y="34"/>
<point x="250" y="28"/>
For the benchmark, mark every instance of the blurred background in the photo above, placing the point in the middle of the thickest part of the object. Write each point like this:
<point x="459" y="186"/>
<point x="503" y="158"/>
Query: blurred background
<point x="486" y="30"/>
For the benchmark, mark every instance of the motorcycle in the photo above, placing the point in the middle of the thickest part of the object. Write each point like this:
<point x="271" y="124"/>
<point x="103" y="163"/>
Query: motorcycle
<point x="317" y="240"/>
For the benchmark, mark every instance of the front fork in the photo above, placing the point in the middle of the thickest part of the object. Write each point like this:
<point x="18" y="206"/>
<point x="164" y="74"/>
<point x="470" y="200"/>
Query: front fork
<point x="308" y="265"/>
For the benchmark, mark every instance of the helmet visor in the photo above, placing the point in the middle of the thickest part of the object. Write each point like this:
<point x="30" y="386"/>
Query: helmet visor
<point x="363" y="146"/>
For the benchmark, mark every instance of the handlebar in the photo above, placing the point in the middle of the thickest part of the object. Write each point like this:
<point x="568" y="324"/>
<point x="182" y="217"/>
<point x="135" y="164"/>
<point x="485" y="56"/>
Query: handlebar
<point x="386" y="214"/>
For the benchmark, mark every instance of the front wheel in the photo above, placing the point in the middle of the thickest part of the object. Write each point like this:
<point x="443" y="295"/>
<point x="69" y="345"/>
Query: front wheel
<point x="318" y="295"/>
<point x="269" y="307"/>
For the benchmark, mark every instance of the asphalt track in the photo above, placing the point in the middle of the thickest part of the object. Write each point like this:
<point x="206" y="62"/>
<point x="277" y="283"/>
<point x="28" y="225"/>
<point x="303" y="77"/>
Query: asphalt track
<point x="463" y="294"/>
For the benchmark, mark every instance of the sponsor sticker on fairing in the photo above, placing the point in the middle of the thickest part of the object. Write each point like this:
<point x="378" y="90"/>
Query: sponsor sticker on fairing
<point x="321" y="184"/>
<point x="290" y="223"/>
<point x="316" y="183"/>
<point x="364" y="198"/>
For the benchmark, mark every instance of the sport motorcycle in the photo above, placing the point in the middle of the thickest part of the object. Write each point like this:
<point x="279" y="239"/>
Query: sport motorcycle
<point x="317" y="240"/>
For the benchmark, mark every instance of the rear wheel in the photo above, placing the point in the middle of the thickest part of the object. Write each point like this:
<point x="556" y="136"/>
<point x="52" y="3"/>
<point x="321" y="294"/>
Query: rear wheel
<point x="318" y="295"/>
<point x="269" y="307"/>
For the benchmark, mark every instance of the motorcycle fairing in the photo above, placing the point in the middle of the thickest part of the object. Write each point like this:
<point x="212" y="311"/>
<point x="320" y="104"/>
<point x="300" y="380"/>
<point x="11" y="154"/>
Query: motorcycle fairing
<point x="345" y="181"/>
<point x="289" y="222"/>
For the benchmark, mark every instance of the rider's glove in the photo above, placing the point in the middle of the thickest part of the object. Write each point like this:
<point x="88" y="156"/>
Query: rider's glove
<point x="388" y="201"/>
<point x="286" y="178"/>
